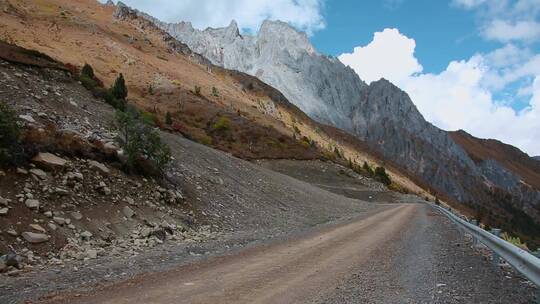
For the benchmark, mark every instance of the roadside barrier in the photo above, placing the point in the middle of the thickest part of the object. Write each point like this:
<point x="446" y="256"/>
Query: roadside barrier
<point x="524" y="262"/>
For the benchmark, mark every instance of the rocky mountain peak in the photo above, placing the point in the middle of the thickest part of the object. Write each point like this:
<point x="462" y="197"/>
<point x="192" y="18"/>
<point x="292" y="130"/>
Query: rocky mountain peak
<point x="283" y="34"/>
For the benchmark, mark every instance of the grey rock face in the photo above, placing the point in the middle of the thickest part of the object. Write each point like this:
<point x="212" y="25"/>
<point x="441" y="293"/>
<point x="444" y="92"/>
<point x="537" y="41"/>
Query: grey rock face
<point x="328" y="91"/>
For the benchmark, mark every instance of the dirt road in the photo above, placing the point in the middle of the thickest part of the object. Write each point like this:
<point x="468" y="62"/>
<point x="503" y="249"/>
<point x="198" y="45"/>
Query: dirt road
<point x="312" y="268"/>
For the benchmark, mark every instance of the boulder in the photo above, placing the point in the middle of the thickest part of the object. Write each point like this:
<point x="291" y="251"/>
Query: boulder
<point x="86" y="235"/>
<point x="10" y="259"/>
<point x="76" y="215"/>
<point x="39" y="173"/>
<point x="38" y="228"/>
<point x="128" y="212"/>
<point x="59" y="220"/>
<point x="99" y="167"/>
<point x="52" y="226"/>
<point x="49" y="161"/>
<point x="32" y="203"/>
<point x="4" y="201"/>
<point x="27" y="118"/>
<point x="35" y="238"/>
<point x="91" y="254"/>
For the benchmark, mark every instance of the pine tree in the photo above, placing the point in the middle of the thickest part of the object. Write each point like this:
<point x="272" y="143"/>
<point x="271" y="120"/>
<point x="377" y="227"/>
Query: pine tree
<point x="119" y="89"/>
<point x="87" y="71"/>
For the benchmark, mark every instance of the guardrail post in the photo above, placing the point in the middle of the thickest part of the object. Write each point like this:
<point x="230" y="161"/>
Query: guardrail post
<point x="496" y="258"/>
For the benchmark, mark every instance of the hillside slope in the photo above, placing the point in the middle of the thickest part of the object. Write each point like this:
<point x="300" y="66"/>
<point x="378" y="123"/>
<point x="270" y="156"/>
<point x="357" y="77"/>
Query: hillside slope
<point x="163" y="75"/>
<point x="84" y="219"/>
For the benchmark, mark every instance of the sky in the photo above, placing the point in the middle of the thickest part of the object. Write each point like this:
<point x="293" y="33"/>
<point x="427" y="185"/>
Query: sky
<point x="466" y="64"/>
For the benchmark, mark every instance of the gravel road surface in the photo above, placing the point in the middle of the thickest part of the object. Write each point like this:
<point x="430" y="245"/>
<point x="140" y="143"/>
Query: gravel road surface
<point x="405" y="253"/>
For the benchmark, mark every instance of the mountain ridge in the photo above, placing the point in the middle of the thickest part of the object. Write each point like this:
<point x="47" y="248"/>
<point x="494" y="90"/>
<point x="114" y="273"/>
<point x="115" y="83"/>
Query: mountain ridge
<point x="380" y="113"/>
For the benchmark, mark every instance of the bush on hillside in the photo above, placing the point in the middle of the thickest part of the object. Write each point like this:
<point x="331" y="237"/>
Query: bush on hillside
<point x="119" y="89"/>
<point x="87" y="71"/>
<point x="168" y="119"/>
<point x="197" y="90"/>
<point x="11" y="151"/>
<point x="367" y="170"/>
<point x="382" y="176"/>
<point x="94" y="85"/>
<point x="222" y="124"/>
<point x="140" y="142"/>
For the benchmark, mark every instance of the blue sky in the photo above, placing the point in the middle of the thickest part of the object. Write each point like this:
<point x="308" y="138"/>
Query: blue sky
<point x="443" y="32"/>
<point x="466" y="64"/>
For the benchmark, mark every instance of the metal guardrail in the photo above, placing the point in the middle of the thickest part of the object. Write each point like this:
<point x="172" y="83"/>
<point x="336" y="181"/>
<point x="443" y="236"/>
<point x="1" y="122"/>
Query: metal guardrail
<point x="524" y="262"/>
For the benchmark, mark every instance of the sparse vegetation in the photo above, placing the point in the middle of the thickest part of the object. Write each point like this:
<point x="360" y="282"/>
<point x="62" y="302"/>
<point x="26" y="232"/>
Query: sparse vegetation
<point x="140" y="142"/>
<point x="337" y="153"/>
<point x="87" y="71"/>
<point x="215" y="92"/>
<point x="367" y="170"/>
<point x="119" y="89"/>
<point x="203" y="139"/>
<point x="382" y="176"/>
<point x="222" y="124"/>
<point x="516" y="241"/>
<point x="197" y="90"/>
<point x="10" y="147"/>
<point x="168" y="119"/>
<point x="115" y="96"/>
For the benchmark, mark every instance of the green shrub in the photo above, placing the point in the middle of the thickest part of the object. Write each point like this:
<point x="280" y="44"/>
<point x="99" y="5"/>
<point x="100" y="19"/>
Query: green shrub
<point x="119" y="89"/>
<point x="87" y="71"/>
<point x="168" y="119"/>
<point x="197" y="90"/>
<point x="140" y="141"/>
<point x="367" y="170"/>
<point x="148" y="118"/>
<point x="203" y="139"/>
<point x="11" y="151"/>
<point x="337" y="153"/>
<point x="516" y="241"/>
<point x="110" y="99"/>
<point x="87" y="82"/>
<point x="382" y="176"/>
<point x="215" y="91"/>
<point x="222" y="124"/>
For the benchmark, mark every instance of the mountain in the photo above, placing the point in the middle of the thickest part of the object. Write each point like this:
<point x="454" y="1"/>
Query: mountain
<point x="536" y="158"/>
<point x="380" y="114"/>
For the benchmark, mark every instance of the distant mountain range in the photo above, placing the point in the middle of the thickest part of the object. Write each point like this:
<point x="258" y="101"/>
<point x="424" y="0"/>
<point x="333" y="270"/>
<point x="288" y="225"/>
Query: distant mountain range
<point x="492" y="180"/>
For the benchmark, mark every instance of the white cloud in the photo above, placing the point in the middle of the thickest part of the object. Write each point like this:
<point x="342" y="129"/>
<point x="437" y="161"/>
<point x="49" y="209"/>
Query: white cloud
<point x="389" y="55"/>
<point x="469" y="3"/>
<point x="461" y="96"/>
<point x="502" y="30"/>
<point x="306" y="15"/>
<point x="505" y="20"/>
<point x="456" y="99"/>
